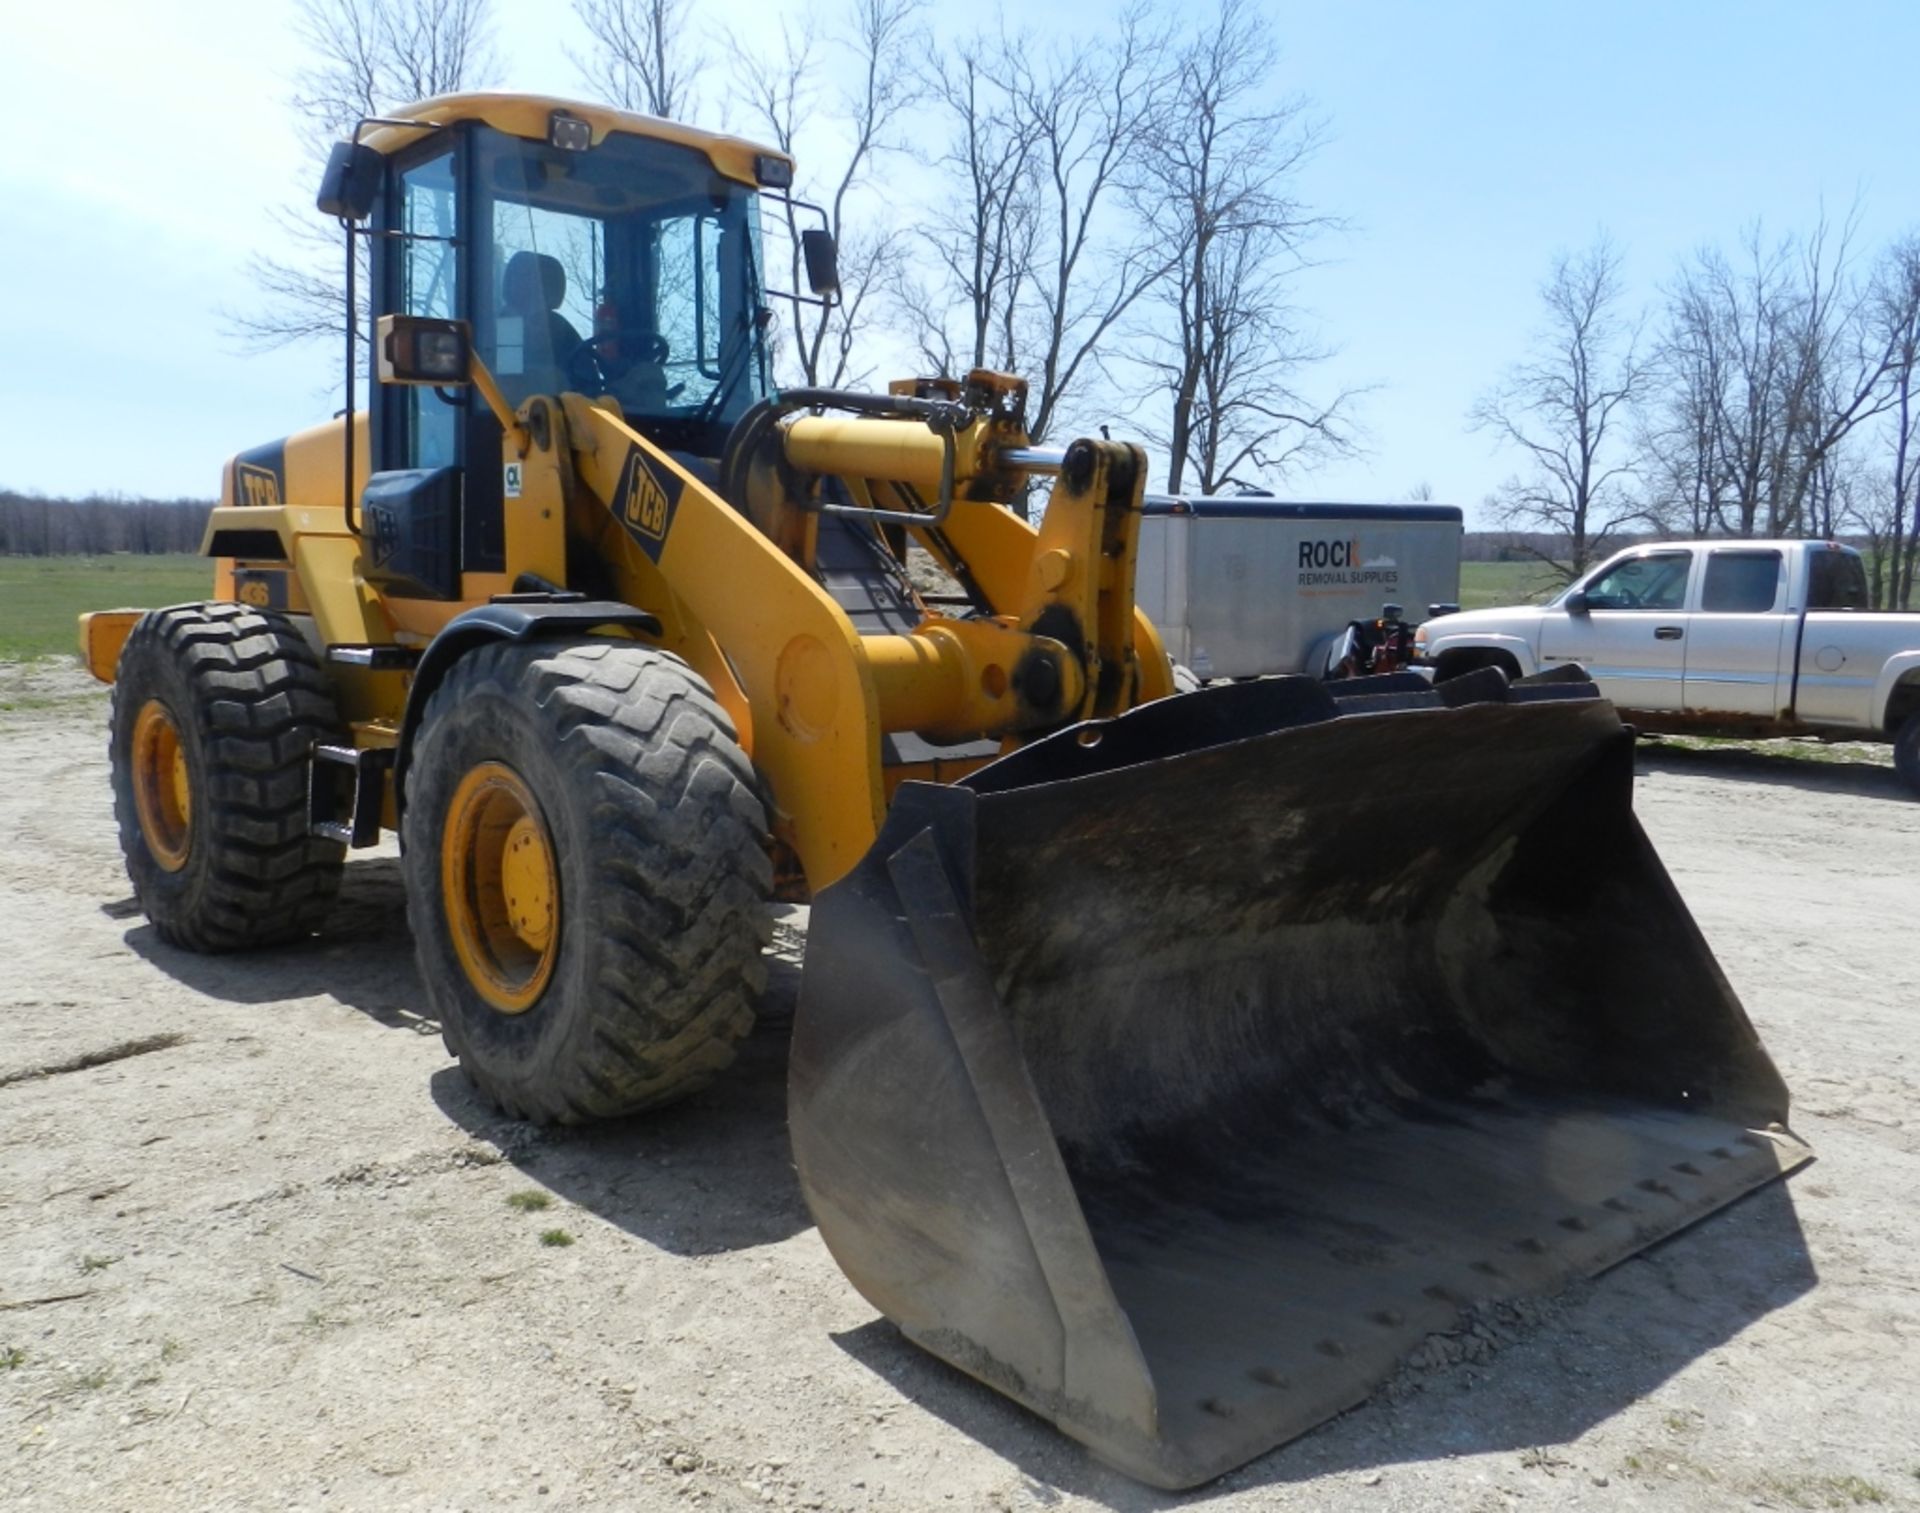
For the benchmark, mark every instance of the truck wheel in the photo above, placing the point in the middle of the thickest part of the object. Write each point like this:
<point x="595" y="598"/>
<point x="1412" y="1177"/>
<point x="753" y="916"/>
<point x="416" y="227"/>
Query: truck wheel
<point x="1906" y="750"/>
<point x="216" y="709"/>
<point x="587" y="876"/>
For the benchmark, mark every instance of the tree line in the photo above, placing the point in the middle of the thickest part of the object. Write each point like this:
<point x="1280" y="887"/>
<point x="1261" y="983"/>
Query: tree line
<point x="33" y="525"/>
<point x="1116" y="218"/>
<point x="1770" y="390"/>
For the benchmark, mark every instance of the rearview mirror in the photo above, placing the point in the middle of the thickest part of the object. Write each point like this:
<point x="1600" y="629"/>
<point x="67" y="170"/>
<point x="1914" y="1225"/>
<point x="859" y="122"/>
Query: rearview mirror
<point x="1575" y="603"/>
<point x="351" y="182"/>
<point x="823" y="261"/>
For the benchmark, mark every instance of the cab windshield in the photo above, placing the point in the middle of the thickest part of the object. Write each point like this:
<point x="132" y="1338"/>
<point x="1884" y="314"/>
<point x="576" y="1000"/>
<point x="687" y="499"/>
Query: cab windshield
<point x="630" y="269"/>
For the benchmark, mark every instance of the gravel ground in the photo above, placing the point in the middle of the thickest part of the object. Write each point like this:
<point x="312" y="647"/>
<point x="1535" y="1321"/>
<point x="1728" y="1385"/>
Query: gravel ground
<point x="261" y="1247"/>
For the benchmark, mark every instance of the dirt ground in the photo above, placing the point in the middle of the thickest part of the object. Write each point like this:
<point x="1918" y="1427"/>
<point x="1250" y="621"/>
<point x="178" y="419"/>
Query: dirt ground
<point x="261" y="1247"/>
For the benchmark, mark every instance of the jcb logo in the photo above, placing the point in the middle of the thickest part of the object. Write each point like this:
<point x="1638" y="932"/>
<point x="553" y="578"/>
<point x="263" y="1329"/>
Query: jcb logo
<point x="258" y="485"/>
<point x="647" y="504"/>
<point x="645" y="501"/>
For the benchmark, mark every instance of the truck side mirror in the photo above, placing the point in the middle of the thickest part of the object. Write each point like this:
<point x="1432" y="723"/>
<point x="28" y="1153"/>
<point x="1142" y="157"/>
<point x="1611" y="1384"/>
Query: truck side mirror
<point x="823" y="261"/>
<point x="351" y="182"/>
<point x="1576" y="603"/>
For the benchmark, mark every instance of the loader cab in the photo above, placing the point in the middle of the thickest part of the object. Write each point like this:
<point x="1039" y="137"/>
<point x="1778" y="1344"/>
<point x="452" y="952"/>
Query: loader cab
<point x="630" y="268"/>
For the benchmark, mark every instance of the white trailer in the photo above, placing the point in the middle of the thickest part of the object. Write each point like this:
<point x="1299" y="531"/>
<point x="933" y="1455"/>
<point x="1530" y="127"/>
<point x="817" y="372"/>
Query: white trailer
<point x="1249" y="586"/>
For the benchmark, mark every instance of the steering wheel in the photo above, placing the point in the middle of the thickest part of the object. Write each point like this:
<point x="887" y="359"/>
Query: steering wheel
<point x="582" y="368"/>
<point x="584" y="363"/>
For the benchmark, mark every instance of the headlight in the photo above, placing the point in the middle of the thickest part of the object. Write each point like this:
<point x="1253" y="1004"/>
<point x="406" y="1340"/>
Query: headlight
<point x="1419" y="640"/>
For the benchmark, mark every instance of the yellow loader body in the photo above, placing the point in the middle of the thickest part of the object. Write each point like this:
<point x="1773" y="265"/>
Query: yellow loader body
<point x="1172" y="1064"/>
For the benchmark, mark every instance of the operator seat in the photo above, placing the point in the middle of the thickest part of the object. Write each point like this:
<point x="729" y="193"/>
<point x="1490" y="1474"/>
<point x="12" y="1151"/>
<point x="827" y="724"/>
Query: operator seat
<point x="533" y="287"/>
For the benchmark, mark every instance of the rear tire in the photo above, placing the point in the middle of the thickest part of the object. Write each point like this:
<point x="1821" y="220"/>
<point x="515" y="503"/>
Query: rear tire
<point x="618" y="969"/>
<point x="1906" y="750"/>
<point x="216" y="711"/>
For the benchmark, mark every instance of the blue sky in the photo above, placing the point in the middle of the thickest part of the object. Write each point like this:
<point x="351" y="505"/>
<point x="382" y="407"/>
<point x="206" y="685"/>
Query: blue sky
<point x="1468" y="143"/>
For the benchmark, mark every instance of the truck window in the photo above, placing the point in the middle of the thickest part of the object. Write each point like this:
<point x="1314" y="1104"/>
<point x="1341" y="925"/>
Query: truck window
<point x="1741" y="582"/>
<point x="1655" y="581"/>
<point x="1836" y="580"/>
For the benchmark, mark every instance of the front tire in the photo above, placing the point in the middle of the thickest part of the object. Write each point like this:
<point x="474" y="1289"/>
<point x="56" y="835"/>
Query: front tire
<point x="216" y="711"/>
<point x="587" y="876"/>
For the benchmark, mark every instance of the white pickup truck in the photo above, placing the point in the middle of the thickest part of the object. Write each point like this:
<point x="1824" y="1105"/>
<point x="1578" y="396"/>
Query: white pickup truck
<point x="1749" y="638"/>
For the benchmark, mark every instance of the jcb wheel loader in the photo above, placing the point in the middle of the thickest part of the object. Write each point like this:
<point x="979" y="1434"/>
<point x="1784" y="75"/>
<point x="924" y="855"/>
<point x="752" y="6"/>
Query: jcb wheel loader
<point x="1173" y="1063"/>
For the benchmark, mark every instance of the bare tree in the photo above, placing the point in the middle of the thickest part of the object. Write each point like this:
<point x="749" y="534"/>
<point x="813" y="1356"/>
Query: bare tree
<point x="1765" y="368"/>
<point x="1896" y="312"/>
<point x="1223" y="341"/>
<point x="1566" y="408"/>
<point x="983" y="234"/>
<point x="1727" y="363"/>
<point x="877" y="39"/>
<point x="1035" y="254"/>
<point x="1092" y="116"/>
<point x="367" y="58"/>
<point x="1843" y="356"/>
<point x="644" y="56"/>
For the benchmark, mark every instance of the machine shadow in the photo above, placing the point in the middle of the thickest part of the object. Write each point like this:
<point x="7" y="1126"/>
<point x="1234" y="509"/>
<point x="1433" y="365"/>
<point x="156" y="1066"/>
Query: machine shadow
<point x="363" y="956"/>
<point x="1743" y="764"/>
<point x="710" y="1174"/>
<point x="1608" y="1343"/>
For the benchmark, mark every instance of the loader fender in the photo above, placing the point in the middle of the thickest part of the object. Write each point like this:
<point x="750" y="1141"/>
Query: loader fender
<point x="524" y="620"/>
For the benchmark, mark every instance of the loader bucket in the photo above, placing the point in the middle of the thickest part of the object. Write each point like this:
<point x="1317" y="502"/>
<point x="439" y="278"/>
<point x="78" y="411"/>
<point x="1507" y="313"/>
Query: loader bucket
<point x="1177" y="1075"/>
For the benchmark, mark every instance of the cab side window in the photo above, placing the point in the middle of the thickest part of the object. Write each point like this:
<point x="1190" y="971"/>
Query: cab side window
<point x="428" y="268"/>
<point x="1655" y="581"/>
<point x="1741" y="582"/>
<point x="1837" y="581"/>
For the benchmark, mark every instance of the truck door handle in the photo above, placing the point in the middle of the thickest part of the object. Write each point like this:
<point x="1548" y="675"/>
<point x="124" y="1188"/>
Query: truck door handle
<point x="1667" y="633"/>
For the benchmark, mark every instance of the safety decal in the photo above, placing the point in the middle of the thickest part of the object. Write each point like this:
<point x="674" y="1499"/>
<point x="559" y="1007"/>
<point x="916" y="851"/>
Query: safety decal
<point x="510" y="481"/>
<point x="261" y="590"/>
<point x="645" y="501"/>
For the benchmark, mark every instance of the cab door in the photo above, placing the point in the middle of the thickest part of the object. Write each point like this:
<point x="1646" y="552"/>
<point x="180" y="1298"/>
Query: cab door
<point x="425" y="264"/>
<point x="1734" y="639"/>
<point x="1631" y="636"/>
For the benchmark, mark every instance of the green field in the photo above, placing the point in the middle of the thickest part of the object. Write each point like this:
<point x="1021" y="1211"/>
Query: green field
<point x="1488" y="585"/>
<point x="40" y="596"/>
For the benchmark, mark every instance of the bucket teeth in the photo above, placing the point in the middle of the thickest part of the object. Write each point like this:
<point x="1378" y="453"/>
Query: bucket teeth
<point x="1182" y="1083"/>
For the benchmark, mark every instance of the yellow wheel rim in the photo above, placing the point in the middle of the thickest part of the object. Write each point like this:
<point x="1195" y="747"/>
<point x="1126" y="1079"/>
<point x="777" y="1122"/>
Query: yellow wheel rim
<point x="162" y="792"/>
<point x="499" y="887"/>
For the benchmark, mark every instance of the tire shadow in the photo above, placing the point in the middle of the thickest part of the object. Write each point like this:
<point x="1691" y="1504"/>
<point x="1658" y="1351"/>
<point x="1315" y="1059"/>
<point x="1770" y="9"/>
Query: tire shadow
<point x="709" y="1174"/>
<point x="1777" y="768"/>
<point x="1605" y="1345"/>
<point x="712" y="1173"/>
<point x="362" y="956"/>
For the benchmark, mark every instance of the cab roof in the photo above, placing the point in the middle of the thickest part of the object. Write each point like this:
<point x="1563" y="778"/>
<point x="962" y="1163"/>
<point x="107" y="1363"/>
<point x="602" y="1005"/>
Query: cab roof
<point x="527" y="116"/>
